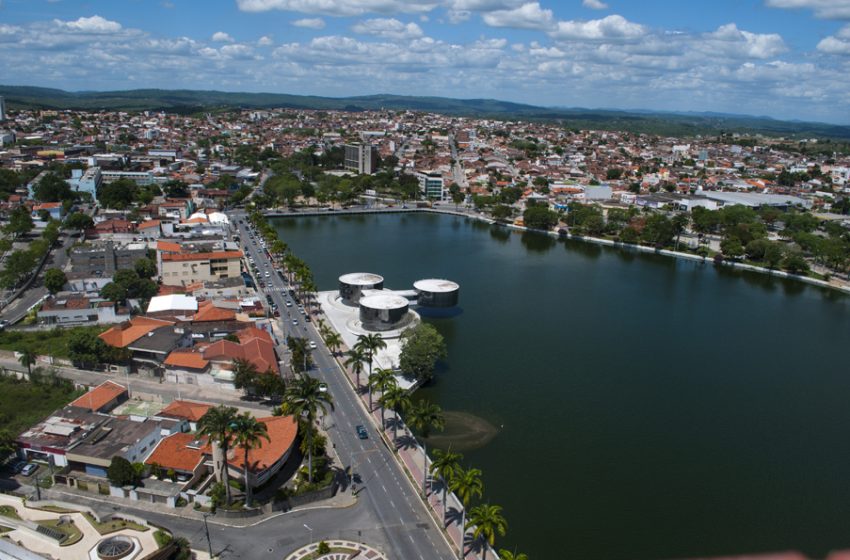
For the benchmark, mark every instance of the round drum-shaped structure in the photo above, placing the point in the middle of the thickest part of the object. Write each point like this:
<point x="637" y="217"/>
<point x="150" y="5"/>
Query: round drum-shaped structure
<point x="382" y="312"/>
<point x="434" y="292"/>
<point x="114" y="548"/>
<point x="351" y="286"/>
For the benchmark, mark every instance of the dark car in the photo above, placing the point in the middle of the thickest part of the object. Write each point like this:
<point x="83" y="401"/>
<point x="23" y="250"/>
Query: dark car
<point x="361" y="432"/>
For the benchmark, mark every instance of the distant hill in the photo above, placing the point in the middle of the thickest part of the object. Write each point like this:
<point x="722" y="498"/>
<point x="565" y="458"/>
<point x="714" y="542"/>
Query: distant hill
<point x="190" y="101"/>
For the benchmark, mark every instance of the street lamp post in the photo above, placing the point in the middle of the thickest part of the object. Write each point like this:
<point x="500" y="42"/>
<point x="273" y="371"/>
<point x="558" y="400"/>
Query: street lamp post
<point x="311" y="531"/>
<point x="207" y="533"/>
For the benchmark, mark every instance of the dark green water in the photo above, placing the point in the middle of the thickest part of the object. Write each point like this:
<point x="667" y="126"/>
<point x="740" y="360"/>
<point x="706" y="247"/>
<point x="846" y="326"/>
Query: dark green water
<point x="650" y="408"/>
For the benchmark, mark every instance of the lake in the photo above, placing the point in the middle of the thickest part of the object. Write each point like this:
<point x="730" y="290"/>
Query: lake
<point x="647" y="407"/>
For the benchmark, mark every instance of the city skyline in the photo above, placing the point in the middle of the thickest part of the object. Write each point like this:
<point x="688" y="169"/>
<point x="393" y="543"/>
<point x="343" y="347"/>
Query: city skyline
<point x="780" y="58"/>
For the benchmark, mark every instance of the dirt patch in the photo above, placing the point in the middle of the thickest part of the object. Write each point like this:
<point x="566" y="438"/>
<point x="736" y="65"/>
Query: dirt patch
<point x="464" y="431"/>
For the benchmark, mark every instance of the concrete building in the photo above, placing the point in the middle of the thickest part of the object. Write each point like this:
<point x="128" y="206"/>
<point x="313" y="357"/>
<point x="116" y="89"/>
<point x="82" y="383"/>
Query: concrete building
<point x="76" y="309"/>
<point x="179" y="269"/>
<point x="432" y="185"/>
<point x="86" y="182"/>
<point x="2" y="109"/>
<point x="362" y="158"/>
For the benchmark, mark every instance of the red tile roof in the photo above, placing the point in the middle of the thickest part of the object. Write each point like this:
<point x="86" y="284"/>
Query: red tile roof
<point x="209" y="312"/>
<point x="173" y="452"/>
<point x="100" y="396"/>
<point x="189" y="410"/>
<point x="282" y="431"/>
<point x="183" y="358"/>
<point x="129" y="332"/>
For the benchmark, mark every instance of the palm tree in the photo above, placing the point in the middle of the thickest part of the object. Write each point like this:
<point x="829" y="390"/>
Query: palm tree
<point x="370" y="344"/>
<point x="333" y="341"/>
<point x="218" y="424"/>
<point x="466" y="483"/>
<point x="398" y="400"/>
<point x="303" y="399"/>
<point x="508" y="555"/>
<point x="27" y="359"/>
<point x="487" y="520"/>
<point x="247" y="434"/>
<point x="445" y="465"/>
<point x="356" y="359"/>
<point x="381" y="380"/>
<point x="425" y="416"/>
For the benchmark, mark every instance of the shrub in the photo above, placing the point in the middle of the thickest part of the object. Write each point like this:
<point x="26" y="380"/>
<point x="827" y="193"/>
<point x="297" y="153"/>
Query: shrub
<point x="323" y="548"/>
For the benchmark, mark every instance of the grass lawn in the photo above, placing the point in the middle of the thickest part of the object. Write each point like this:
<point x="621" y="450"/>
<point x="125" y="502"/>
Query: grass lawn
<point x="9" y="511"/>
<point x="113" y="525"/>
<point x="45" y="343"/>
<point x="23" y="404"/>
<point x="69" y="529"/>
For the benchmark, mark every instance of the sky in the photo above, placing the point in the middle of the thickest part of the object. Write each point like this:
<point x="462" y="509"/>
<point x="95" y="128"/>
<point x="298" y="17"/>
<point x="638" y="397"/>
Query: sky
<point x="787" y="59"/>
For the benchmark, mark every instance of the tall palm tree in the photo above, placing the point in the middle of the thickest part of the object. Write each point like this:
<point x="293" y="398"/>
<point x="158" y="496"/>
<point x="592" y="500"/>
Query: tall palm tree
<point x="356" y="359"/>
<point x="370" y="344"/>
<point x="218" y="424"/>
<point x="247" y="434"/>
<point x="487" y="520"/>
<point x="333" y="341"/>
<point x="508" y="555"/>
<point x="398" y="400"/>
<point x="27" y="359"/>
<point x="466" y="483"/>
<point x="425" y="416"/>
<point x="303" y="399"/>
<point x="445" y="465"/>
<point x="381" y="380"/>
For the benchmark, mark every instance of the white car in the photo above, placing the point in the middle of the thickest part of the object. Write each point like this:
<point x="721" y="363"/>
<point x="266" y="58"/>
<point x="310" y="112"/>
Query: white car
<point x="313" y="345"/>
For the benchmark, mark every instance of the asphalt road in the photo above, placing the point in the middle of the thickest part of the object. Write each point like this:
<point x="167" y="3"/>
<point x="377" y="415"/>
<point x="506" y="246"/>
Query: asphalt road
<point x="389" y="502"/>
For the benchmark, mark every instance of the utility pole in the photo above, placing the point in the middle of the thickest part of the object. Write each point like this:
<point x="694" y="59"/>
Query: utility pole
<point x="207" y="533"/>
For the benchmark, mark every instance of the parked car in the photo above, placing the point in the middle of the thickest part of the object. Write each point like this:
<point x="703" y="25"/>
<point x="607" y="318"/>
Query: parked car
<point x="29" y="469"/>
<point x="323" y="387"/>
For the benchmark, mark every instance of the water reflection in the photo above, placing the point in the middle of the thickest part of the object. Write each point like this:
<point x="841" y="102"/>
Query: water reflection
<point x="583" y="248"/>
<point x="537" y="242"/>
<point x="499" y="233"/>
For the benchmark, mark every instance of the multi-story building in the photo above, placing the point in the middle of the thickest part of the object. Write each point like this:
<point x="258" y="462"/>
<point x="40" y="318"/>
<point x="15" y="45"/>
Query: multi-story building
<point x="362" y="158"/>
<point x="432" y="185"/>
<point x="179" y="269"/>
<point x="2" y="109"/>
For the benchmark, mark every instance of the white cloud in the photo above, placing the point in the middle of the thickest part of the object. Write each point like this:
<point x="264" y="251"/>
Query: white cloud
<point x="610" y="27"/>
<point x="265" y="41"/>
<point x="388" y="28"/>
<point x="222" y="37"/>
<point x="826" y="9"/>
<point x="483" y="5"/>
<point x="338" y="7"/>
<point x="834" y="44"/>
<point x="310" y="23"/>
<point x="527" y="16"/>
<point x="94" y="24"/>
<point x="594" y="4"/>
<point x="734" y="41"/>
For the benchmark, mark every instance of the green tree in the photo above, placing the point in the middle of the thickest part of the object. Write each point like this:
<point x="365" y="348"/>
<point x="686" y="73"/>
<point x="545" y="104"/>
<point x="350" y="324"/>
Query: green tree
<point x="114" y="292"/>
<point x="795" y="263"/>
<point x="397" y="400"/>
<point x="425" y="416"/>
<point x="540" y="217"/>
<point x="145" y="268"/>
<point x="218" y="424"/>
<point x="445" y="465"/>
<point x="79" y="221"/>
<point x="19" y="265"/>
<point x="52" y="188"/>
<point x="20" y="222"/>
<point x="502" y="212"/>
<point x="303" y="399"/>
<point x="421" y="348"/>
<point x="370" y="344"/>
<point x="731" y="248"/>
<point x="121" y="472"/>
<point x="244" y="375"/>
<point x="487" y="520"/>
<point x="117" y="194"/>
<point x="54" y="280"/>
<point x="467" y="484"/>
<point x="505" y="554"/>
<point x="333" y="341"/>
<point x="355" y="359"/>
<point x="248" y="434"/>
<point x="381" y="380"/>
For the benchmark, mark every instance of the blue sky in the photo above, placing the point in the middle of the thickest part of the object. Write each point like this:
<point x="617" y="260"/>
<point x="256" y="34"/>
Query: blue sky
<point x="782" y="58"/>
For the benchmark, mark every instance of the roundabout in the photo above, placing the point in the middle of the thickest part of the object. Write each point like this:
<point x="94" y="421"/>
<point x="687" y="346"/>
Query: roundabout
<point x="339" y="550"/>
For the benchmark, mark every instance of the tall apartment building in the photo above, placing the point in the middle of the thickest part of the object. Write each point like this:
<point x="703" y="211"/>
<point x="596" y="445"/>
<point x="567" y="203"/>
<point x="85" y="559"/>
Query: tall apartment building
<point x="2" y="109"/>
<point x="362" y="158"/>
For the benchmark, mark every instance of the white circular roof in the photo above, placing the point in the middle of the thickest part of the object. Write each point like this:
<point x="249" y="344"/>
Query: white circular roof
<point x="218" y="218"/>
<point x="436" y="285"/>
<point x="384" y="301"/>
<point x="198" y="215"/>
<point x="361" y="279"/>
